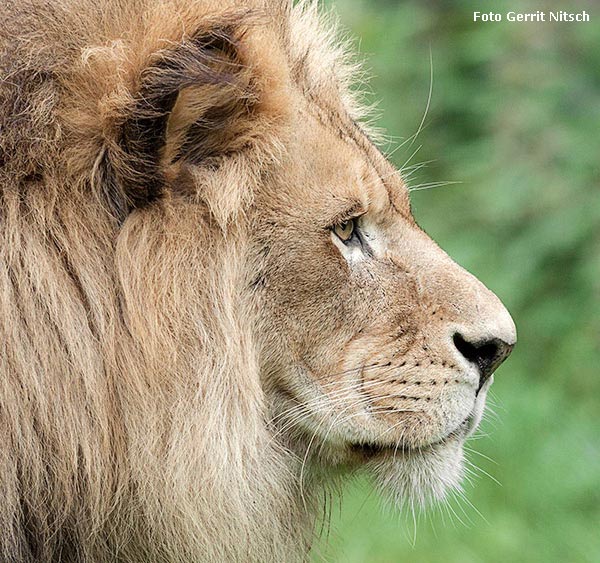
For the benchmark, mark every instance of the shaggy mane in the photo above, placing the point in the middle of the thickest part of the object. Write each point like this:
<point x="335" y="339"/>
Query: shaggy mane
<point x="133" y="419"/>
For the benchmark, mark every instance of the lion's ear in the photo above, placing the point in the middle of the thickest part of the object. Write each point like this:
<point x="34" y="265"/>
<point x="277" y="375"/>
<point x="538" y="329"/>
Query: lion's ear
<point x="191" y="105"/>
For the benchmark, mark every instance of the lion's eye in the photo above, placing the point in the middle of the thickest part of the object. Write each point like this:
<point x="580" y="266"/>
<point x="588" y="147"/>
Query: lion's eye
<point x="345" y="230"/>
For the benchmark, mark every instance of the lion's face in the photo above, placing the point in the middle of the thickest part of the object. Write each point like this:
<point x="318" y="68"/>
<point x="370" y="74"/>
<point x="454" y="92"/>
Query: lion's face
<point x="377" y="347"/>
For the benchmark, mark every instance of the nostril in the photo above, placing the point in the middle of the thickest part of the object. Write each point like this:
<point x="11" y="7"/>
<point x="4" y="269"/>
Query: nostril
<point x="487" y="355"/>
<point x="479" y="354"/>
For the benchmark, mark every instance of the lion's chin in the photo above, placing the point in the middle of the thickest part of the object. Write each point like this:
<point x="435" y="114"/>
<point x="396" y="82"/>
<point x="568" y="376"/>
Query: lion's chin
<point x="420" y="476"/>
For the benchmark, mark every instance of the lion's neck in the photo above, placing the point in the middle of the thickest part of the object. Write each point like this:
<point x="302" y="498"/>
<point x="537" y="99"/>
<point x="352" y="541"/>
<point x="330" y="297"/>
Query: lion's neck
<point x="150" y="438"/>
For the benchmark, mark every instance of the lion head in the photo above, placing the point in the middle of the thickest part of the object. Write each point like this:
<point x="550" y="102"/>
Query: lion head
<point x="214" y="294"/>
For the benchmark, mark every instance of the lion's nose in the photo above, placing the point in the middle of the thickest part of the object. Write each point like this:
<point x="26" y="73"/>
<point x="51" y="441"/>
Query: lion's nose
<point x="486" y="354"/>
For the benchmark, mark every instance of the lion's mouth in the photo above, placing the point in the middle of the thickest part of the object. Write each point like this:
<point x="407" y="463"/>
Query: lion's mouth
<point x="370" y="450"/>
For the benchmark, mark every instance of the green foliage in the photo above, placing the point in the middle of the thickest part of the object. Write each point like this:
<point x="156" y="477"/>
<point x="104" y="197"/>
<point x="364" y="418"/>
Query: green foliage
<point x="515" y="118"/>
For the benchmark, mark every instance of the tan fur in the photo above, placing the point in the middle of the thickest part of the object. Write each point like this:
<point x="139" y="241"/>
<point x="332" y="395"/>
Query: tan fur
<point x="188" y="353"/>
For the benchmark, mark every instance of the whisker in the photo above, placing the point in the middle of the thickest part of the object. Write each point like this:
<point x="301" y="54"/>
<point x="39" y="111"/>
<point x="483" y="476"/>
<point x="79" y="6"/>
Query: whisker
<point x="471" y="450"/>
<point x="449" y="505"/>
<point x="456" y="495"/>
<point x="483" y="471"/>
<point x="414" y="136"/>
<point x="409" y="159"/>
<point x="430" y="185"/>
<point x="429" y="96"/>
<point x="464" y="497"/>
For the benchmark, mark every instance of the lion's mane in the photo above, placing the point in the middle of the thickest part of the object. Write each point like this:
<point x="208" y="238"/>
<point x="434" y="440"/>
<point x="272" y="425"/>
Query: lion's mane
<point x="132" y="419"/>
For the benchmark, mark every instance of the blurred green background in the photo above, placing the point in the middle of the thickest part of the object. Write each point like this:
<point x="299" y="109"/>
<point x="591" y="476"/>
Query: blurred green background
<point x="515" y="118"/>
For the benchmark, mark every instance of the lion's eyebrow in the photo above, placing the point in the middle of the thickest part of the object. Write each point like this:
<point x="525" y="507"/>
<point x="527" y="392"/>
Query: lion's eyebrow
<point x="349" y="211"/>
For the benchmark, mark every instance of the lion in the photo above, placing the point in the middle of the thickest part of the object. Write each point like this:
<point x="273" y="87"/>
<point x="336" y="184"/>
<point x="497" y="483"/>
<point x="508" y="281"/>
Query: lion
<point x="214" y="297"/>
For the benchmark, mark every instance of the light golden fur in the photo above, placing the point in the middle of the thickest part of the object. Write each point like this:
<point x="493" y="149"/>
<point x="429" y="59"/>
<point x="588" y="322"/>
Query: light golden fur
<point x="188" y="352"/>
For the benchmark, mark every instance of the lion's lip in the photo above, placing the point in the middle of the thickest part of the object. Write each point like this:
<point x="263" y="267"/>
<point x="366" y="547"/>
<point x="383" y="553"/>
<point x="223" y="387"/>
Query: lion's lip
<point x="371" y="450"/>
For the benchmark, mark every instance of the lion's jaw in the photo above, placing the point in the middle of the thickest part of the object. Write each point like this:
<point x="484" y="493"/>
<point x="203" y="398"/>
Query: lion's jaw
<point x="374" y="354"/>
<point x="419" y="476"/>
